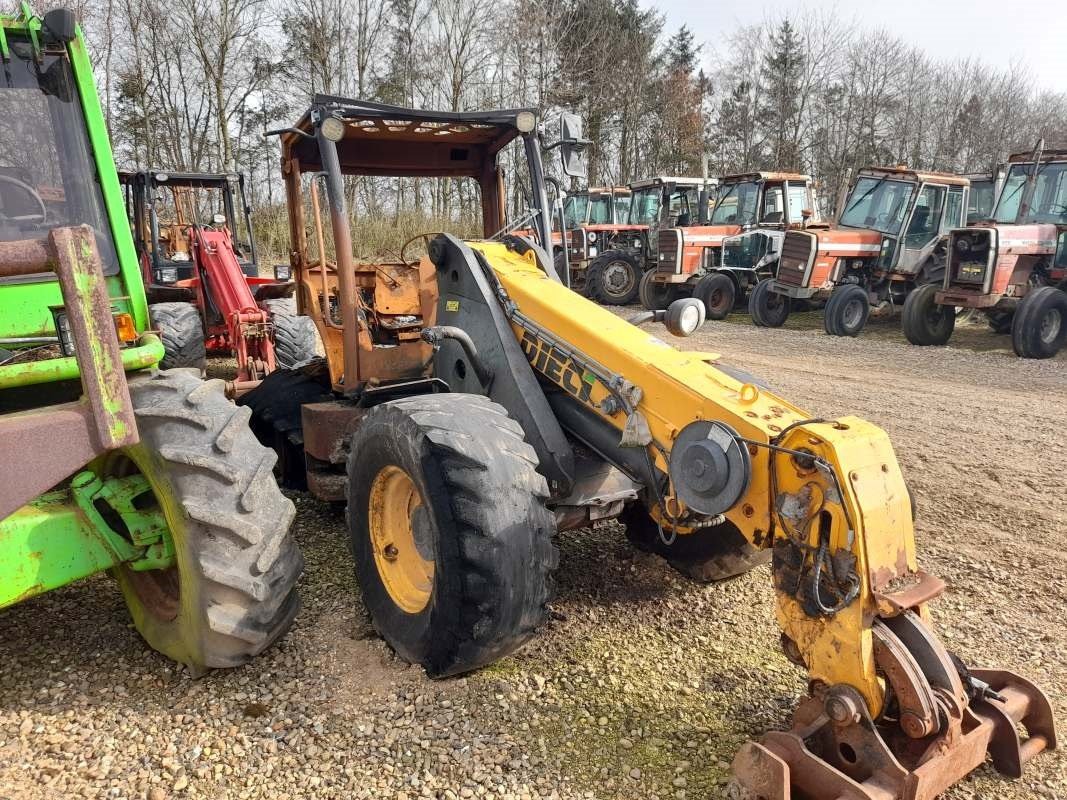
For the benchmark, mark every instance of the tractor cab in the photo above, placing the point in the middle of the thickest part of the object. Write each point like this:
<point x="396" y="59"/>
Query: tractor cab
<point x="1012" y="266"/>
<point x="765" y="199"/>
<point x="370" y="312"/>
<point x="621" y="198"/>
<point x="165" y="208"/>
<point x="983" y="195"/>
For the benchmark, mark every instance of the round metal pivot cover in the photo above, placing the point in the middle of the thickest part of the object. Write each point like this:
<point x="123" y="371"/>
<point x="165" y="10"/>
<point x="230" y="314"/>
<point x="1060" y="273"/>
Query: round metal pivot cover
<point x="710" y="467"/>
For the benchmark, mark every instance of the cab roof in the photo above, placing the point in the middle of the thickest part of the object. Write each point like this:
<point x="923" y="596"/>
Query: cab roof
<point x="918" y="176"/>
<point x="180" y="178"/>
<point x="390" y="140"/>
<point x="766" y="176"/>
<point x="662" y="179"/>
<point x="1057" y="154"/>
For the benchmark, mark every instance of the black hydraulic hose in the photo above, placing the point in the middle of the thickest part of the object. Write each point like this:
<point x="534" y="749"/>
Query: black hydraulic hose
<point x="438" y="333"/>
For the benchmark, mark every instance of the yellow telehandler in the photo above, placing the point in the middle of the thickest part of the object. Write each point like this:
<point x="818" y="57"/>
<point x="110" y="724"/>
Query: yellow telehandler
<point x="470" y="406"/>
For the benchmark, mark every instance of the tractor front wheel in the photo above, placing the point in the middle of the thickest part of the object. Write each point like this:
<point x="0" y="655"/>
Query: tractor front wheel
<point x="718" y="293"/>
<point x="182" y="333"/>
<point x="924" y="321"/>
<point x="450" y="533"/>
<point x="1039" y="328"/>
<point x="706" y="555"/>
<point x="655" y="296"/>
<point x="294" y="334"/>
<point x="231" y="591"/>
<point x="847" y="310"/>
<point x="767" y="308"/>
<point x="614" y="278"/>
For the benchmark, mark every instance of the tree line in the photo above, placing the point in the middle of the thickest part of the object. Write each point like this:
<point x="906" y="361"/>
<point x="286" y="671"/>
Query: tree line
<point x="193" y="85"/>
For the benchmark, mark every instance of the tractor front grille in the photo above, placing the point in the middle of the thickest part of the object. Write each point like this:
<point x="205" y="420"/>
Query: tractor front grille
<point x="797" y="250"/>
<point x="669" y="251"/>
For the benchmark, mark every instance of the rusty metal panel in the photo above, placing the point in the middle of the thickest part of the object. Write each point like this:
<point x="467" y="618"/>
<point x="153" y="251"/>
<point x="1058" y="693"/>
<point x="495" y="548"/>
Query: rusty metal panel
<point x="327" y="427"/>
<point x="41" y="448"/>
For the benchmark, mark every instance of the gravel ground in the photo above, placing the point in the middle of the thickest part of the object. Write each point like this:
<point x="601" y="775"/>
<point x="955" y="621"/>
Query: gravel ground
<point x="642" y="685"/>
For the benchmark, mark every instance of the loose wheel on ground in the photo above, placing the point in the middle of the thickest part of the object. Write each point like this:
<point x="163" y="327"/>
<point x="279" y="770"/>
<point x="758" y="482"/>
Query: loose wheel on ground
<point x="294" y="334"/>
<point x="924" y="321"/>
<point x="706" y="555"/>
<point x="450" y="533"/>
<point x="1039" y="329"/>
<point x="767" y="308"/>
<point x="614" y="278"/>
<point x="182" y="334"/>
<point x="231" y="592"/>
<point x="656" y="296"/>
<point x="847" y="310"/>
<point x="717" y="292"/>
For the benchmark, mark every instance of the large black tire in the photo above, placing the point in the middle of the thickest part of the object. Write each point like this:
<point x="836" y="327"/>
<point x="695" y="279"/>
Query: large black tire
<point x="294" y="334"/>
<point x="847" y="310"/>
<point x="767" y="308"/>
<point x="232" y="592"/>
<point x="707" y="555"/>
<point x="614" y="278"/>
<point x="182" y="333"/>
<point x="924" y="322"/>
<point x="276" y="416"/>
<point x="718" y="293"/>
<point x="656" y="296"/>
<point x="1000" y="321"/>
<point x="1039" y="329"/>
<point x="476" y="515"/>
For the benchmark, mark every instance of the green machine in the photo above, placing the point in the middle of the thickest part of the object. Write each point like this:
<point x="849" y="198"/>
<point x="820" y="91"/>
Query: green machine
<point x="106" y="462"/>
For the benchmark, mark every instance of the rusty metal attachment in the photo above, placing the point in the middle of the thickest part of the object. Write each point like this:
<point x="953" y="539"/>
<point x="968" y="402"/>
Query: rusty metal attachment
<point x="940" y="724"/>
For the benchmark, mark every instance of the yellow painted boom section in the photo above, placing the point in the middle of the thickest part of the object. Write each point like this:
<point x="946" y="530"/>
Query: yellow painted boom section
<point x="870" y="516"/>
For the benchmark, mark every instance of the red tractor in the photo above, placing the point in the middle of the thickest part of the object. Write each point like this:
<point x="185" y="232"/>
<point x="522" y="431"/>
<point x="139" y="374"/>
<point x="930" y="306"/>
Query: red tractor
<point x="199" y="262"/>
<point x="593" y="228"/>
<point x="620" y="254"/>
<point x="689" y="261"/>
<point x="1012" y="267"/>
<point x="889" y="239"/>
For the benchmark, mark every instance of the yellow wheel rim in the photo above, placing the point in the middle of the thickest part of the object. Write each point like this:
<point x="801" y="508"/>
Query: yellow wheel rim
<point x="396" y="512"/>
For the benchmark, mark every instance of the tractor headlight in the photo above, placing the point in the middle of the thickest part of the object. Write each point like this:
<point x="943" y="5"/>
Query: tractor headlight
<point x="963" y="244"/>
<point x="637" y="244"/>
<point x="168" y="274"/>
<point x="219" y="219"/>
<point x="525" y="121"/>
<point x="333" y="129"/>
<point x="282" y="272"/>
<point x="592" y="236"/>
<point x="63" y="331"/>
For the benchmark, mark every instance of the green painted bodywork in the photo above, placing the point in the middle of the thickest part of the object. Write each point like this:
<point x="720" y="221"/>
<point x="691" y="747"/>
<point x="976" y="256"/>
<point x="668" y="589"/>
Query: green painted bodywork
<point x="25" y="307"/>
<point x="62" y="537"/>
<point x="91" y="523"/>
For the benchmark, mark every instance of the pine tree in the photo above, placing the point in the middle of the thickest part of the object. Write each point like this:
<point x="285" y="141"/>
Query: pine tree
<point x="781" y="78"/>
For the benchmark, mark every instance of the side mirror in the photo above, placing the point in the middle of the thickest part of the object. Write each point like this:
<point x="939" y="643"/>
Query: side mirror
<point x="61" y="25"/>
<point x="807" y="214"/>
<point x="572" y="146"/>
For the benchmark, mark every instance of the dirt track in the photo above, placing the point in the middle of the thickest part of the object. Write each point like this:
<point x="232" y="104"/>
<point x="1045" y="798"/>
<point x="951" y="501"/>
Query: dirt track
<point x="642" y="686"/>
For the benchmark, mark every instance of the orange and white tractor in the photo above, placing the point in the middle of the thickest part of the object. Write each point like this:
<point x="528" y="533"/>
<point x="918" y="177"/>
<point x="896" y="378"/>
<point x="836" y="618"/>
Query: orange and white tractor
<point x="1012" y="267"/>
<point x="889" y="238"/>
<point x="689" y="260"/>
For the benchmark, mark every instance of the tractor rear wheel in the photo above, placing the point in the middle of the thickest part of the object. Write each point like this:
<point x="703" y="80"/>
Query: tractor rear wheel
<point x="847" y="310"/>
<point x="182" y="333"/>
<point x="294" y="334"/>
<point x="450" y="533"/>
<point x="614" y="278"/>
<point x="706" y="555"/>
<point x="767" y="308"/>
<point x="232" y="590"/>
<point x="924" y="322"/>
<point x="655" y="296"/>
<point x="718" y="293"/>
<point x="1039" y="329"/>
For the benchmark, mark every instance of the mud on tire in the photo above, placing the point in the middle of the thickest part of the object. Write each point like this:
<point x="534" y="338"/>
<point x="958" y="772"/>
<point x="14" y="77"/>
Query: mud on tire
<point x="294" y="334"/>
<point x="707" y="555"/>
<point x="232" y="592"/>
<point x="182" y="333"/>
<point x="483" y="522"/>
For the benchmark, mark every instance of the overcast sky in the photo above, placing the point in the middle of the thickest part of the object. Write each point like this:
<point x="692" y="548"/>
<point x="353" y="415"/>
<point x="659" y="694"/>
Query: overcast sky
<point x="1031" y="31"/>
